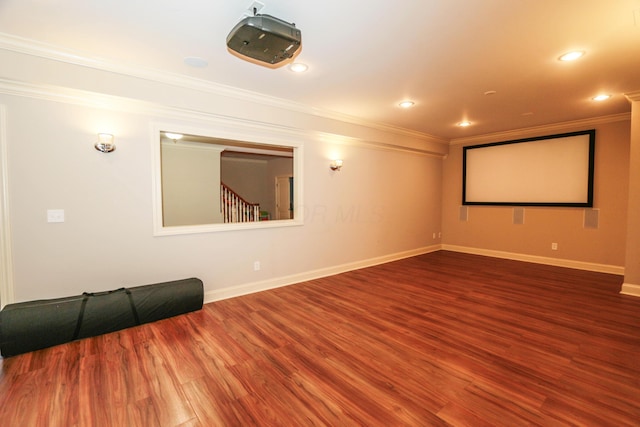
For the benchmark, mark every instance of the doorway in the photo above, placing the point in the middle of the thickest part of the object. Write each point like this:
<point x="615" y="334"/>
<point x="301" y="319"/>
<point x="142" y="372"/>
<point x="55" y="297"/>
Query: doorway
<point x="284" y="197"/>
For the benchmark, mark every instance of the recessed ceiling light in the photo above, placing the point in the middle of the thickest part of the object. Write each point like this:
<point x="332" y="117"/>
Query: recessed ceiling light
<point x="298" y="67"/>
<point x="407" y="104"/>
<point x="174" y="136"/>
<point x="196" y="62"/>
<point x="571" y="56"/>
<point x="464" y="124"/>
<point x="602" y="97"/>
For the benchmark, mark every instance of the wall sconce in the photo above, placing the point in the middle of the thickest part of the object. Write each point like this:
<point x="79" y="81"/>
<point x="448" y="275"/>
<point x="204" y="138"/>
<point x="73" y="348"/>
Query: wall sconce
<point x="335" y="165"/>
<point x="105" y="143"/>
<point x="173" y="136"/>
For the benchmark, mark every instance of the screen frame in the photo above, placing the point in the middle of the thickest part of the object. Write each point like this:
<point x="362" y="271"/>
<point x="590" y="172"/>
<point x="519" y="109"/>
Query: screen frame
<point x="586" y="202"/>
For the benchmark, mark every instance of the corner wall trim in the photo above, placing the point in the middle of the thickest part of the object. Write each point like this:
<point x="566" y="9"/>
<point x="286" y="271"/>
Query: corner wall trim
<point x="630" y="289"/>
<point x="6" y="259"/>
<point x="250" y="288"/>
<point x="568" y="263"/>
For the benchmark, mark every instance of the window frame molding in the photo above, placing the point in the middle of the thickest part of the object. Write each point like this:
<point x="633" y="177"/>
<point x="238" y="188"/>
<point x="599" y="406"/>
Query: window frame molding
<point x="258" y="134"/>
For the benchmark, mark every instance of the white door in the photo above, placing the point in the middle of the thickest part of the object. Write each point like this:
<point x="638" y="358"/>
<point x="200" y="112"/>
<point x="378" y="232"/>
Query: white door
<point x="284" y="197"/>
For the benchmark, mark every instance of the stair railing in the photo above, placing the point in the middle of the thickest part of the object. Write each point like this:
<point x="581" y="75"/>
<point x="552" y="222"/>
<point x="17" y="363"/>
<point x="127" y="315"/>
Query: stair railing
<point x="235" y="208"/>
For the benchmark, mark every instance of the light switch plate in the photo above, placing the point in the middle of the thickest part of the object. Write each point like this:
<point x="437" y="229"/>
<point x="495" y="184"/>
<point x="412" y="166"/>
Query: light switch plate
<point x="55" y="215"/>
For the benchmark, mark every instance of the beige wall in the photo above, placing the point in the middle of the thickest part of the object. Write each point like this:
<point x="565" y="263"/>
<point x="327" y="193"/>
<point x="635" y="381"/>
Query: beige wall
<point x="491" y="228"/>
<point x="385" y="203"/>
<point x="190" y="185"/>
<point x="393" y="194"/>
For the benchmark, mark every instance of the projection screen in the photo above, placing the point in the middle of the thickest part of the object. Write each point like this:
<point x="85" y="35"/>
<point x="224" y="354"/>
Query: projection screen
<point x="553" y="170"/>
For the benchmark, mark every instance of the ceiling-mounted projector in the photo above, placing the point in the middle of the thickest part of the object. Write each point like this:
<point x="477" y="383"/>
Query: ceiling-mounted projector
<point x="265" y="39"/>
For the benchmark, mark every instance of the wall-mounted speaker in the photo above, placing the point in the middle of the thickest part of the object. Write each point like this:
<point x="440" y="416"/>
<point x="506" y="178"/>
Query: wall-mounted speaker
<point x="464" y="213"/>
<point x="518" y="215"/>
<point x="591" y="218"/>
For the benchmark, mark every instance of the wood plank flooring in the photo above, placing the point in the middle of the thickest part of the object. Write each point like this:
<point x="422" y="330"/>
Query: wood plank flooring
<point x="435" y="340"/>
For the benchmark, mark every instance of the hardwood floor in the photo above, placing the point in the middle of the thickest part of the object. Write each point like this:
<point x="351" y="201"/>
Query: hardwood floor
<point x="439" y="339"/>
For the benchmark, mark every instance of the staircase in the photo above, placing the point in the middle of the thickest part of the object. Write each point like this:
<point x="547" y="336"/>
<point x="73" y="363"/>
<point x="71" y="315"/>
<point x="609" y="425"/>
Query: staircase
<point x="235" y="208"/>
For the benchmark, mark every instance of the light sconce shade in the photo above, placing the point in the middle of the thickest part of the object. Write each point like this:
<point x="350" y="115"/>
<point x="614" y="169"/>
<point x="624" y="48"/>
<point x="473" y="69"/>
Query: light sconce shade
<point x="173" y="136"/>
<point x="335" y="165"/>
<point x="105" y="143"/>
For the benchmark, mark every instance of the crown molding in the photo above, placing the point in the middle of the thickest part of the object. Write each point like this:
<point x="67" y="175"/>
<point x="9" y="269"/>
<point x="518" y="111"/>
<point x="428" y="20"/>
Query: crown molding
<point x="121" y="104"/>
<point x="55" y="53"/>
<point x="116" y="103"/>
<point x="633" y="96"/>
<point x="43" y="50"/>
<point x="543" y="129"/>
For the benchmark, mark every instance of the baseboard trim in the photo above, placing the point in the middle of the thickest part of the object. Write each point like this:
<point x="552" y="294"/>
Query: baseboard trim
<point x="277" y="282"/>
<point x="558" y="262"/>
<point x="630" y="289"/>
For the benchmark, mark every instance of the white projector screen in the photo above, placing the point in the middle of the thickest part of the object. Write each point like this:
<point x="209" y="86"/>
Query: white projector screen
<point x="554" y="170"/>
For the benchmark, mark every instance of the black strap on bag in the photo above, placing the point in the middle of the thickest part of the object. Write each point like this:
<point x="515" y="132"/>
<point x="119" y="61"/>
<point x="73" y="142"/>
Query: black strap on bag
<point x="87" y="295"/>
<point x="85" y="298"/>
<point x="133" y="306"/>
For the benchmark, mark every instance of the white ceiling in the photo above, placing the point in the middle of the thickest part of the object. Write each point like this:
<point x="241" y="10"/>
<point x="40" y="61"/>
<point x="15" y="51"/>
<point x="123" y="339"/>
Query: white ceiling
<point x="367" y="56"/>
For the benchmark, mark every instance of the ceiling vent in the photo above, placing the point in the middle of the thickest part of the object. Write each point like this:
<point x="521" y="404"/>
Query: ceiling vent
<point x="265" y="39"/>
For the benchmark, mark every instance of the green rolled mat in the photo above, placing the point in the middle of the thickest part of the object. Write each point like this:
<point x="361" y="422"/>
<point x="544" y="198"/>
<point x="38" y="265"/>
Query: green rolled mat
<point x="33" y="325"/>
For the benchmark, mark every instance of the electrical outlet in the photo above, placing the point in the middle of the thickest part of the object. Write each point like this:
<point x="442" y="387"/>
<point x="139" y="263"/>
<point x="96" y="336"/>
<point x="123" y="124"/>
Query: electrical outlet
<point x="434" y="235"/>
<point x="554" y="246"/>
<point x="256" y="265"/>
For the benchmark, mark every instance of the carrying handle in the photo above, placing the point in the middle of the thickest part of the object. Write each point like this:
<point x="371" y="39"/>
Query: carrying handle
<point x="87" y="295"/>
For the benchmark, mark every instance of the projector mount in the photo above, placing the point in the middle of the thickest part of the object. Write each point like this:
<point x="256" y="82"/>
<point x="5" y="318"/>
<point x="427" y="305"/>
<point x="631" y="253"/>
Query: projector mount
<point x="264" y="38"/>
